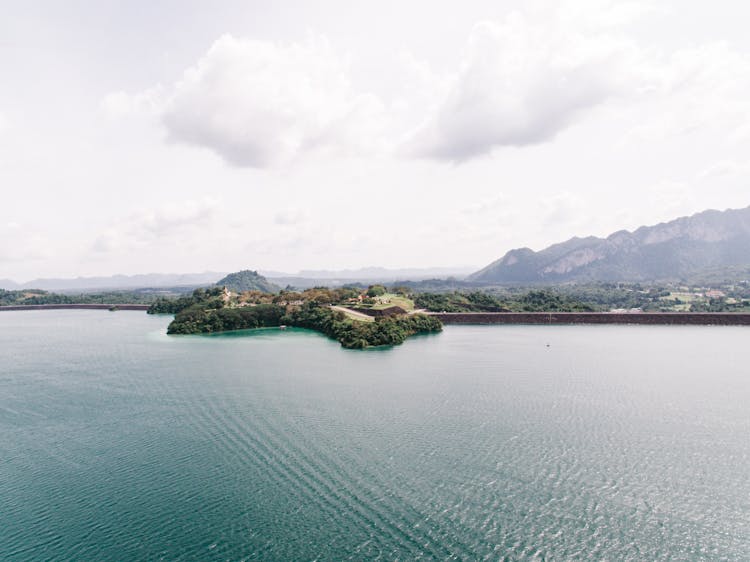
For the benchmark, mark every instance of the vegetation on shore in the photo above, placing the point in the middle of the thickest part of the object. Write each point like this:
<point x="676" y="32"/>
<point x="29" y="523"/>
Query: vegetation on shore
<point x="350" y="333"/>
<point x="217" y="310"/>
<point x="597" y="297"/>
<point x="354" y="334"/>
<point x="478" y="301"/>
<point x="36" y="297"/>
<point x="210" y="297"/>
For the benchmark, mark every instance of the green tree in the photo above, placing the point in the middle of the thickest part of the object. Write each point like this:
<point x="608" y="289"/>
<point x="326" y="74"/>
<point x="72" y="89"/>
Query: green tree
<point x="376" y="291"/>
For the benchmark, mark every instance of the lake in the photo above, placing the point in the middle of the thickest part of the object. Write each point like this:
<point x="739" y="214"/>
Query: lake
<point x="118" y="442"/>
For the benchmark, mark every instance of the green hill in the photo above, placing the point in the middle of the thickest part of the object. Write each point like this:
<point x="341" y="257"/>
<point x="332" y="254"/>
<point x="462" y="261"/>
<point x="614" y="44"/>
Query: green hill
<point x="247" y="280"/>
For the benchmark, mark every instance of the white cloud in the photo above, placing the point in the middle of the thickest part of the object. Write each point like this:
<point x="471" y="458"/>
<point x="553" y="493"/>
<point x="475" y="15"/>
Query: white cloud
<point x="291" y="217"/>
<point x="598" y="14"/>
<point x="259" y="104"/>
<point x="122" y="104"/>
<point x="183" y="218"/>
<point x="709" y="86"/>
<point x="523" y="80"/>
<point x="308" y="239"/>
<point x="671" y="199"/>
<point x="724" y="169"/>
<point x="495" y="205"/>
<point x="522" y="83"/>
<point x="21" y="244"/>
<point x="175" y="216"/>
<point x="564" y="209"/>
<point x="697" y="90"/>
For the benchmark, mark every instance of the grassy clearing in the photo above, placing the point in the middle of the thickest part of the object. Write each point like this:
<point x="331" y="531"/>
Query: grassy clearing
<point x="391" y="299"/>
<point x="680" y="301"/>
<point x="684" y="297"/>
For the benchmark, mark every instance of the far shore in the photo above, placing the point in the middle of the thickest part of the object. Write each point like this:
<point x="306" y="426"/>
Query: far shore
<point x="75" y="307"/>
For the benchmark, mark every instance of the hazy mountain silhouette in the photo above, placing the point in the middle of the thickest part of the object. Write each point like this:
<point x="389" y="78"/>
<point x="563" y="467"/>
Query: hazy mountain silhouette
<point x="674" y="250"/>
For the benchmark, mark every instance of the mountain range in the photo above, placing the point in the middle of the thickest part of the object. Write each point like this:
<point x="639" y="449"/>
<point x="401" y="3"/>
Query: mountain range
<point x="712" y="245"/>
<point x="366" y="275"/>
<point x="117" y="282"/>
<point x="675" y="250"/>
<point x="303" y="279"/>
<point x="379" y="273"/>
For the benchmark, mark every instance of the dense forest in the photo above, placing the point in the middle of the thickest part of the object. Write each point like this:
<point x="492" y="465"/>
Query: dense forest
<point x="210" y="297"/>
<point x="595" y="297"/>
<point x="478" y="301"/>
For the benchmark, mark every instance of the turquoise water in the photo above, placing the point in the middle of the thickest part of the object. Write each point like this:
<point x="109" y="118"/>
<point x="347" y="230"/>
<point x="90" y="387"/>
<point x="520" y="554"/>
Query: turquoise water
<point x="118" y="442"/>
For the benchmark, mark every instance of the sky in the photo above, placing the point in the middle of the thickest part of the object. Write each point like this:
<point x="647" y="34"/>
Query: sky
<point x="186" y="136"/>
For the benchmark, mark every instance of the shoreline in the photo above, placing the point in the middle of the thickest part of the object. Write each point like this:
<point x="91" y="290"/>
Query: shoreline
<point x="75" y="307"/>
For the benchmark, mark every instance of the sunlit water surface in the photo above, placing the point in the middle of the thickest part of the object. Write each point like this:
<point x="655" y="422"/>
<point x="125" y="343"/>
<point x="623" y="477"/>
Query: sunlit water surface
<point x="118" y="442"/>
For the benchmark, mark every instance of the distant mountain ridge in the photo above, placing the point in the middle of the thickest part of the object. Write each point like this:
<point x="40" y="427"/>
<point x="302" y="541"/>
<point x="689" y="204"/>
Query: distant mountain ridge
<point x="301" y="279"/>
<point x="667" y="251"/>
<point x="117" y="282"/>
<point x="365" y="275"/>
<point x="374" y="273"/>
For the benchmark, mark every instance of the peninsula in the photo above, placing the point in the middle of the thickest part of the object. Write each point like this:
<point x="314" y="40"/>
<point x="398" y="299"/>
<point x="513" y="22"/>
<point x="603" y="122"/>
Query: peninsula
<point x="217" y="309"/>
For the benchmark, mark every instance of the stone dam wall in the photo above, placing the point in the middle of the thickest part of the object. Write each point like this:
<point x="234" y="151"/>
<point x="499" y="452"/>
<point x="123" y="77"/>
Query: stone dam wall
<point x="660" y="318"/>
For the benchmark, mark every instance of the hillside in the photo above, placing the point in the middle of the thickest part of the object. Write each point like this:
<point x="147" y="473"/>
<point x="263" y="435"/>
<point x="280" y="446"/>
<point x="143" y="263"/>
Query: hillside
<point x="676" y="250"/>
<point x="247" y="280"/>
